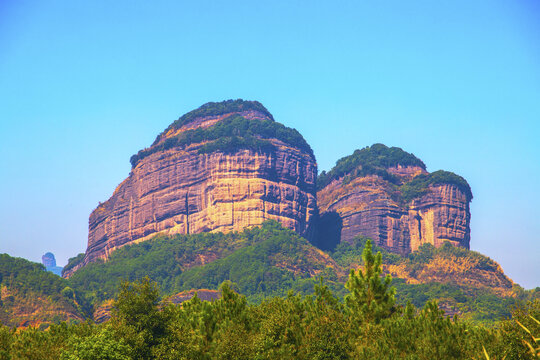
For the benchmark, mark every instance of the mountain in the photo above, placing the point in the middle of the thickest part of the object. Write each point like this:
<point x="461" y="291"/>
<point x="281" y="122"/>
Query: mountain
<point x="222" y="167"/>
<point x="227" y="193"/>
<point x="386" y="194"/>
<point x="49" y="261"/>
<point x="227" y="166"/>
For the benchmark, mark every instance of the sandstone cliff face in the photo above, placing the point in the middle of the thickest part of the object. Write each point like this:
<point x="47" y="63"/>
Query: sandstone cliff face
<point x="374" y="207"/>
<point x="181" y="190"/>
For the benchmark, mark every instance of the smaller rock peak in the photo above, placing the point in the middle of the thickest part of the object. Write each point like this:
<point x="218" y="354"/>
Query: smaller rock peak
<point x="48" y="260"/>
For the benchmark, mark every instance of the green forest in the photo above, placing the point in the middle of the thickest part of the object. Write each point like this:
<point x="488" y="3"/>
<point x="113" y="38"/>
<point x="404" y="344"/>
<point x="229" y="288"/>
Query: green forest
<point x="281" y="297"/>
<point x="367" y="323"/>
<point x="264" y="262"/>
<point x="252" y="259"/>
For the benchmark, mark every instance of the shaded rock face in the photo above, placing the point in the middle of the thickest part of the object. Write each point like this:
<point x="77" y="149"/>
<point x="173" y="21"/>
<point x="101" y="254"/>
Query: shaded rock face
<point x="180" y="190"/>
<point x="370" y="206"/>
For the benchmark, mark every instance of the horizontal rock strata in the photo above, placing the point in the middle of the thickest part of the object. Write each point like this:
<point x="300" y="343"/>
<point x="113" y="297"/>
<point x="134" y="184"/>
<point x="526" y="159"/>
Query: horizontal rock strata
<point x="372" y="207"/>
<point x="182" y="190"/>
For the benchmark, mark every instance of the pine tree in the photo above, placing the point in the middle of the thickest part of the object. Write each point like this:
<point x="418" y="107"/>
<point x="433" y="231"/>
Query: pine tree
<point x="371" y="298"/>
<point x="136" y="317"/>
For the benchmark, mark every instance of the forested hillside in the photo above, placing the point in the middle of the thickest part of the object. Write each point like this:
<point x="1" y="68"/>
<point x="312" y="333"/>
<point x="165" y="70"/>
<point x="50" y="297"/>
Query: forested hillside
<point x="31" y="296"/>
<point x="270" y="261"/>
<point x="366" y="324"/>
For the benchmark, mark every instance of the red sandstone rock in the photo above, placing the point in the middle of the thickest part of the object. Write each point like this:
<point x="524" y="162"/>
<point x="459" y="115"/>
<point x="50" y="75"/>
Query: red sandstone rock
<point x="369" y="206"/>
<point x="182" y="191"/>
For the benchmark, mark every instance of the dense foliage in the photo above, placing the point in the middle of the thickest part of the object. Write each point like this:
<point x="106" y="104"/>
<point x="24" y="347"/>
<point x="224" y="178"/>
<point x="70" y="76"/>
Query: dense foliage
<point x="366" y="319"/>
<point x="219" y="108"/>
<point x="367" y="325"/>
<point x="418" y="186"/>
<point x="247" y="258"/>
<point x="162" y="258"/>
<point x="29" y="277"/>
<point x="371" y="160"/>
<point x="229" y="135"/>
<point x="478" y="303"/>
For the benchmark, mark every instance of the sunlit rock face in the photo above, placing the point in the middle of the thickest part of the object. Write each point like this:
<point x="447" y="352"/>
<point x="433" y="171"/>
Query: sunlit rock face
<point x="376" y="206"/>
<point x="188" y="183"/>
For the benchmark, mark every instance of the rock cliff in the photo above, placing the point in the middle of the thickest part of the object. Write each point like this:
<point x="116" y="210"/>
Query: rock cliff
<point x="387" y="195"/>
<point x="222" y="167"/>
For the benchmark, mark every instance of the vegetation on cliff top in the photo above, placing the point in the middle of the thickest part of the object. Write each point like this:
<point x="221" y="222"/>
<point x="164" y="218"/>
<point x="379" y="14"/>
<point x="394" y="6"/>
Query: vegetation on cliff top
<point x="419" y="185"/>
<point x="219" y="108"/>
<point x="376" y="159"/>
<point x="231" y="134"/>
<point x="371" y="160"/>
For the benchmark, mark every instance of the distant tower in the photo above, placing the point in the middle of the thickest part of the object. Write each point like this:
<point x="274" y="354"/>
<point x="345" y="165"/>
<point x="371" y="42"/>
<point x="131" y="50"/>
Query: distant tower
<point x="50" y="263"/>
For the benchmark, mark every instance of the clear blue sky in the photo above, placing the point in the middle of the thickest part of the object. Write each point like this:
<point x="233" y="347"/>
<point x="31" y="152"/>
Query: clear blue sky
<point x="86" y="84"/>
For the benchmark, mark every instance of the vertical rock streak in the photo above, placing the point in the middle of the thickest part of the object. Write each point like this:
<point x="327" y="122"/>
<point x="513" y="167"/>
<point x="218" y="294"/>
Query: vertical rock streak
<point x="187" y="213"/>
